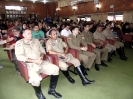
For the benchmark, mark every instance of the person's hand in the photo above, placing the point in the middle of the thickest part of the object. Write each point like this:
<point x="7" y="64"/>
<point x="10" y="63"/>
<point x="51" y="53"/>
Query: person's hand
<point x="101" y="43"/>
<point x="84" y="48"/>
<point x="12" y="46"/>
<point x="38" y="61"/>
<point x="93" y="45"/>
<point x="41" y="41"/>
<point x="9" y="39"/>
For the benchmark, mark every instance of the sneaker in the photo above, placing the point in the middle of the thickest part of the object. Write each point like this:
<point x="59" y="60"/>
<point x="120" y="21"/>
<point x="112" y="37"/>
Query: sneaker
<point x="18" y="73"/>
<point x="1" y="66"/>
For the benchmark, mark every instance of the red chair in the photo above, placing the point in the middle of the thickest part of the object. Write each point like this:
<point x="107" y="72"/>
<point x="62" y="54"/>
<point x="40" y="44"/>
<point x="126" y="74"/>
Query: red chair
<point x="24" y="71"/>
<point x="127" y="38"/>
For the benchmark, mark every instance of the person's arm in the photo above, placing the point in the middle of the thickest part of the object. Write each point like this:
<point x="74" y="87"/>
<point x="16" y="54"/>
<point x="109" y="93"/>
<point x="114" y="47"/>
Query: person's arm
<point x="49" y="49"/>
<point x="71" y="45"/>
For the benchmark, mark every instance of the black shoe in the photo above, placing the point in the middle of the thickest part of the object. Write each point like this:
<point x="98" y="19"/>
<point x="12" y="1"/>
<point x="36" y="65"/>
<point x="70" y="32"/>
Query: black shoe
<point x="54" y="93"/>
<point x="84" y="80"/>
<point x="97" y="67"/>
<point x="123" y="53"/>
<point x="84" y="70"/>
<point x="40" y="95"/>
<point x="38" y="92"/>
<point x="103" y="64"/>
<point x="70" y="79"/>
<point x="52" y="86"/>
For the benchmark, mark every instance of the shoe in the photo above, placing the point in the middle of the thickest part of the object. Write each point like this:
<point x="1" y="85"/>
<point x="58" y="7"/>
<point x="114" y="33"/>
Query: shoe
<point x="103" y="64"/>
<point x="52" y="86"/>
<point x="84" y="80"/>
<point x="84" y="70"/>
<point x="18" y="73"/>
<point x="70" y="79"/>
<point x="0" y="59"/>
<point x="1" y="66"/>
<point x="38" y="92"/>
<point x="97" y="67"/>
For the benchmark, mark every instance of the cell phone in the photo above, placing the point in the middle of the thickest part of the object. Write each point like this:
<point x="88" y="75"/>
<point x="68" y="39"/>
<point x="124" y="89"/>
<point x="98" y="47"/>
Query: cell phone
<point x="62" y="57"/>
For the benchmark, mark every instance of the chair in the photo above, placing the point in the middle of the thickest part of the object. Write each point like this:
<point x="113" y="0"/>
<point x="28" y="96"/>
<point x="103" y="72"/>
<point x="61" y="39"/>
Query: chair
<point x="24" y="71"/>
<point x="127" y="38"/>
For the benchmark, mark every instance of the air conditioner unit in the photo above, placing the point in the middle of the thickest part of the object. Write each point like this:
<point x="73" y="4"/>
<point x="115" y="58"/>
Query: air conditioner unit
<point x="77" y="1"/>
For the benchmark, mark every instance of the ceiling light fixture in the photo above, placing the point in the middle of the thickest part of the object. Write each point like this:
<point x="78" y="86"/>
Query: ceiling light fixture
<point x="21" y="0"/>
<point x="34" y="1"/>
<point x="45" y="1"/>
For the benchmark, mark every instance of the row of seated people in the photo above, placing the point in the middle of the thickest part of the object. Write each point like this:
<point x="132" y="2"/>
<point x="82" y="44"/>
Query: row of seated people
<point x="74" y="40"/>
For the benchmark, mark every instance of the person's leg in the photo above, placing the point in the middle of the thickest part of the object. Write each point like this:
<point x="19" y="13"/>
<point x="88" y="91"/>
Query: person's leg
<point x="53" y="70"/>
<point x="15" y="62"/>
<point x="98" y="59"/>
<point x="34" y="80"/>
<point x="64" y="68"/>
<point x="1" y="66"/>
<point x="91" y="57"/>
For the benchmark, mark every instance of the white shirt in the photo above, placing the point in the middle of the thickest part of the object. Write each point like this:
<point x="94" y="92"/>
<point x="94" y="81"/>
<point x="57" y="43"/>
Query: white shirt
<point x="65" y="32"/>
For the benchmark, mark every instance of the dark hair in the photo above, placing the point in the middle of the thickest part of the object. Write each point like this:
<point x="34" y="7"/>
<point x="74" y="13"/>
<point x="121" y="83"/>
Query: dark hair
<point x="53" y="25"/>
<point x="35" y="24"/>
<point x="50" y="32"/>
<point x="74" y="27"/>
<point x="107" y="24"/>
<point x="3" y="27"/>
<point x="67" y="24"/>
<point x="17" y="28"/>
<point x="99" y="26"/>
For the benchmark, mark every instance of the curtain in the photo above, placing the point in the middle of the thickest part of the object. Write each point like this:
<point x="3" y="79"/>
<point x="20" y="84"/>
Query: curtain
<point x="128" y="16"/>
<point x="97" y="17"/>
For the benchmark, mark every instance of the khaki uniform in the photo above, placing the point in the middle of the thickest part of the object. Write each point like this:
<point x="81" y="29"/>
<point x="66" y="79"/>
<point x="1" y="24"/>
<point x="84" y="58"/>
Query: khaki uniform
<point x="99" y="36"/>
<point x="87" y="57"/>
<point x="109" y="35"/>
<point x="58" y="45"/>
<point x="32" y="49"/>
<point x="88" y="38"/>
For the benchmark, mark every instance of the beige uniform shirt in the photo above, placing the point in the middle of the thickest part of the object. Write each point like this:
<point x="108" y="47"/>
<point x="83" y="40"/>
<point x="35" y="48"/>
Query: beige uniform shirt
<point x="74" y="42"/>
<point x="29" y="49"/>
<point x="98" y="35"/>
<point x="87" y="37"/>
<point x="108" y="34"/>
<point x="56" y="45"/>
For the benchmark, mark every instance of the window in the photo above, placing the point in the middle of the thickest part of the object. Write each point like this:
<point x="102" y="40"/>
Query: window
<point x="115" y="17"/>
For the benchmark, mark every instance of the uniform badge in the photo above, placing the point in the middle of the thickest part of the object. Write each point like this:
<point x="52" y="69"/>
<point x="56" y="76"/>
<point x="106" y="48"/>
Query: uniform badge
<point x="53" y="44"/>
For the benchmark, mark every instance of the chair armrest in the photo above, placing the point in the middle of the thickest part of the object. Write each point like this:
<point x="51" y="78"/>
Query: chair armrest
<point x="23" y="70"/>
<point x="52" y="58"/>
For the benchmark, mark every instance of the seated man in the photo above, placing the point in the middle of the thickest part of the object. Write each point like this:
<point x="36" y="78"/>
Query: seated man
<point x="3" y="30"/>
<point x="39" y="34"/>
<point x="87" y="36"/>
<point x="56" y="46"/>
<point x="66" y="31"/>
<point x="30" y="51"/>
<point x="74" y="40"/>
<point x="54" y="26"/>
<point x="16" y="36"/>
<point x="119" y="45"/>
<point x="99" y="37"/>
